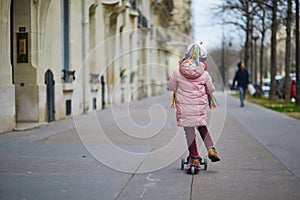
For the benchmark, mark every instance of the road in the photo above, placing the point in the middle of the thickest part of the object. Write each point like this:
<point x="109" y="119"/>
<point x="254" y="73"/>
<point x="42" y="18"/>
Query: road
<point x="133" y="151"/>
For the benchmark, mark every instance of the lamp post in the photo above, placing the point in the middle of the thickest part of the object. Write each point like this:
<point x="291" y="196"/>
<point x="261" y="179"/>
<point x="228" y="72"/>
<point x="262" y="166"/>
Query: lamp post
<point x="255" y="38"/>
<point x="223" y="58"/>
<point x="223" y="51"/>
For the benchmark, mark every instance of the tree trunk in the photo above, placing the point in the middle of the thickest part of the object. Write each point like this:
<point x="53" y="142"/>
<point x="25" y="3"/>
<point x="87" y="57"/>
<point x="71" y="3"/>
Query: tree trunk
<point x="251" y="53"/>
<point x="297" y="55"/>
<point x="273" y="51"/>
<point x="261" y="59"/>
<point x="288" y="52"/>
<point x="248" y="27"/>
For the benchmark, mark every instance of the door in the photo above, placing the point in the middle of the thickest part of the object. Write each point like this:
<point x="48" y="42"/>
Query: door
<point x="49" y="81"/>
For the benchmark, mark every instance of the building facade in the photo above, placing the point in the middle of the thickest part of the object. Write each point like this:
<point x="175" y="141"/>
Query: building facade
<point x="182" y="35"/>
<point x="61" y="58"/>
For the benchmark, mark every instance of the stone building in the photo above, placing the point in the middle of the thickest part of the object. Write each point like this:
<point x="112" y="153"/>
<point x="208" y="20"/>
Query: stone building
<point x="61" y="58"/>
<point x="182" y="35"/>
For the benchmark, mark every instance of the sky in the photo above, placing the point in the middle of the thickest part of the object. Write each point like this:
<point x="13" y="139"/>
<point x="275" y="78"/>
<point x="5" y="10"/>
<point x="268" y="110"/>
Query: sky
<point x="205" y="28"/>
<point x="208" y="29"/>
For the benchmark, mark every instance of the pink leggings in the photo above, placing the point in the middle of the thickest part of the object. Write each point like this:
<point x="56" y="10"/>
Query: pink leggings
<point x="191" y="139"/>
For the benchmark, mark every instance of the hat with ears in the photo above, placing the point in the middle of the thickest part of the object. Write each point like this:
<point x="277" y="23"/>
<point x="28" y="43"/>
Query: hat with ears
<point x="197" y="52"/>
<point x="203" y="52"/>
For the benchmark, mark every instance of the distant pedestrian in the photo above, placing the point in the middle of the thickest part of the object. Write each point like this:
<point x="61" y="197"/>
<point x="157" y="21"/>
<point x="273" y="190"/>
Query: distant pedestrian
<point x="192" y="86"/>
<point x="242" y="79"/>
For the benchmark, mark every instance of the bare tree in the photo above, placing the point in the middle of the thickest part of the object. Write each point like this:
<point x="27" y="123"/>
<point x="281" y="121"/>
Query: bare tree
<point x="288" y="51"/>
<point x="297" y="62"/>
<point x="273" y="6"/>
<point x="262" y="23"/>
<point x="240" y="14"/>
<point x="257" y="14"/>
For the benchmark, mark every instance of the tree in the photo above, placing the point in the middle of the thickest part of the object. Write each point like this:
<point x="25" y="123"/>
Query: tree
<point x="240" y="13"/>
<point x="262" y="23"/>
<point x="288" y="51"/>
<point x="272" y="5"/>
<point x="273" y="50"/>
<point x="297" y="55"/>
<point x="245" y="14"/>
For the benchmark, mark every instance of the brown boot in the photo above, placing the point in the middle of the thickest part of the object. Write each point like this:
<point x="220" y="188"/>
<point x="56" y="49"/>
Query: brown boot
<point x="194" y="161"/>
<point x="213" y="155"/>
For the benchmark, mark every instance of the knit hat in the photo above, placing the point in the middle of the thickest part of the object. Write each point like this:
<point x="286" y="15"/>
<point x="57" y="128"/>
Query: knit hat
<point x="196" y="52"/>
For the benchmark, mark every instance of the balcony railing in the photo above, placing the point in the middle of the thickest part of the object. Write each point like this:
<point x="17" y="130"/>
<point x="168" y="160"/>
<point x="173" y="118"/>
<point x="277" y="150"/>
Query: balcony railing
<point x="68" y="76"/>
<point x="142" y="20"/>
<point x="94" y="78"/>
<point x="133" y="4"/>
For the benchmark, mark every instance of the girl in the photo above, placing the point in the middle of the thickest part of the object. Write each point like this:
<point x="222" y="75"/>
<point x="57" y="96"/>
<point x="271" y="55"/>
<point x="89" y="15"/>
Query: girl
<point x="193" y="86"/>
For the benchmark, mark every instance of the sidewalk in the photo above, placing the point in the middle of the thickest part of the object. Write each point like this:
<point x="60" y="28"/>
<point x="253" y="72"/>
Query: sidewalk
<point x="279" y="133"/>
<point x="23" y="126"/>
<point x="133" y="152"/>
<point x="248" y="169"/>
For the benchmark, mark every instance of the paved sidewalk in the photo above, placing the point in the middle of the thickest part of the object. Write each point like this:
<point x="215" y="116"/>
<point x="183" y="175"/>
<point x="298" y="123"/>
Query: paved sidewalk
<point x="248" y="169"/>
<point x="279" y="133"/>
<point x="133" y="152"/>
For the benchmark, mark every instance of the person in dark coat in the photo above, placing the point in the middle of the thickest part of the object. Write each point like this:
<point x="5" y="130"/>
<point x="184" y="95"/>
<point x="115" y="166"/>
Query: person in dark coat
<point x="242" y="79"/>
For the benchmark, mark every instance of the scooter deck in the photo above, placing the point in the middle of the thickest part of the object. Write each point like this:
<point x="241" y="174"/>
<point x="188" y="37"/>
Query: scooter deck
<point x="192" y="169"/>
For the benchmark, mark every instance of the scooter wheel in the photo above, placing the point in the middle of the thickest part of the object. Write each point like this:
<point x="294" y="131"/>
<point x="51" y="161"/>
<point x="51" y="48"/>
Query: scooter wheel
<point x="205" y="164"/>
<point x="182" y="163"/>
<point x="193" y="170"/>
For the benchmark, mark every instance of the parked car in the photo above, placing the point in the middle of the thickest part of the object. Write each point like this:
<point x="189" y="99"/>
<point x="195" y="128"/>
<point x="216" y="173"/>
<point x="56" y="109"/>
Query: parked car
<point x="267" y="85"/>
<point x="292" y="87"/>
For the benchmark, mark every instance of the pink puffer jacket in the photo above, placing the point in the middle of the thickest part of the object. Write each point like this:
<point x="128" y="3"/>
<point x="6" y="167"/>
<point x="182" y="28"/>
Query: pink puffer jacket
<point x="191" y="84"/>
